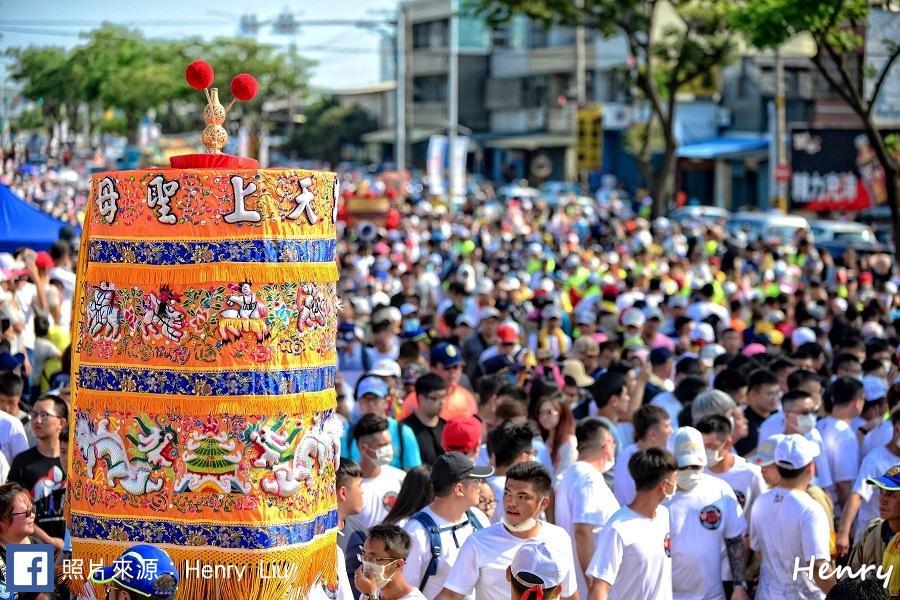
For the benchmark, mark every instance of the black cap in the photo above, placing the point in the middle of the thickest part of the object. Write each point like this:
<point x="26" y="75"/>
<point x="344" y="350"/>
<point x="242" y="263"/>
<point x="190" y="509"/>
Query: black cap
<point x="453" y="467"/>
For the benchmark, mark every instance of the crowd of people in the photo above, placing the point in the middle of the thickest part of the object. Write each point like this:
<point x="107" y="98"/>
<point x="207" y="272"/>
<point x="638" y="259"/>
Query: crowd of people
<point x="561" y="402"/>
<point x="55" y="189"/>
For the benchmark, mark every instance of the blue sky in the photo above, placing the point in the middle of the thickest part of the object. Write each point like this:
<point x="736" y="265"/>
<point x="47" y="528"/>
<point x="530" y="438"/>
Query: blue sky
<point x="347" y="56"/>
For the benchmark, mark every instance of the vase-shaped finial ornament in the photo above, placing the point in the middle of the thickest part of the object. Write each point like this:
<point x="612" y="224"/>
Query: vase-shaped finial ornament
<point x="214" y="136"/>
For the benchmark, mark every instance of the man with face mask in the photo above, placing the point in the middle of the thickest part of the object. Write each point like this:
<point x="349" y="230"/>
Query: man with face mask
<point x="632" y="559"/>
<point x="381" y="482"/>
<point x="707" y="526"/>
<point x="481" y="565"/>
<point x="584" y="503"/>
<point x="840" y="443"/>
<point x="380" y="576"/>
<point x="862" y="505"/>
<point x="744" y="477"/>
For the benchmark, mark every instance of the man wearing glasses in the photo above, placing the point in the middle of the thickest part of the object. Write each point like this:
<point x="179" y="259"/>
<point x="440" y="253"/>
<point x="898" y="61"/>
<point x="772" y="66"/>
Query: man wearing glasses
<point x="40" y="469"/>
<point x="380" y="576"/>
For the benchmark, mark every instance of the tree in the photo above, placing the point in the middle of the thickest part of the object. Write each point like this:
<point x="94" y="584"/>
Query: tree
<point x="668" y="55"/>
<point x="329" y="127"/>
<point x="835" y="26"/>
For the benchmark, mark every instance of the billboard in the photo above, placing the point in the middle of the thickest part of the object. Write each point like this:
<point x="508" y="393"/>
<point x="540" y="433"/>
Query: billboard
<point x="834" y="170"/>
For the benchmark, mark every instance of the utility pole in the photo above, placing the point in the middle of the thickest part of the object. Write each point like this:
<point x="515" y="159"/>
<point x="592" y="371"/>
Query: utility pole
<point x="400" y="90"/>
<point x="453" y="94"/>
<point x="782" y="173"/>
<point x="580" y="86"/>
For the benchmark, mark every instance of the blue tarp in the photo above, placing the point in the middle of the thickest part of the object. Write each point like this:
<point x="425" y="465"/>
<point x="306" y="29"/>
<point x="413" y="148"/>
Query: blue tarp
<point x="21" y="224"/>
<point x="721" y="147"/>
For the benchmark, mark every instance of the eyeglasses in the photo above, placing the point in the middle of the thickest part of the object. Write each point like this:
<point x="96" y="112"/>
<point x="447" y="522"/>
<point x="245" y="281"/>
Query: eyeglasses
<point x="369" y="558"/>
<point x="28" y="513"/>
<point x="485" y="504"/>
<point x="43" y="416"/>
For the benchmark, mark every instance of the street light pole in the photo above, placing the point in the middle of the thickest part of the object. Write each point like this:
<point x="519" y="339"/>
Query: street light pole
<point x="453" y="94"/>
<point x="400" y="90"/>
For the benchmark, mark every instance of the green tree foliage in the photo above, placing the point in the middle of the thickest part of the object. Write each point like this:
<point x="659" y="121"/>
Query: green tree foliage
<point x="837" y="28"/>
<point x="328" y="128"/>
<point x="669" y="54"/>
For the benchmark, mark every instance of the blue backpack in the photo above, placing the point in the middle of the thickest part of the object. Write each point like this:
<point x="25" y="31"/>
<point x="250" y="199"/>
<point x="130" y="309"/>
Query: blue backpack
<point x="435" y="531"/>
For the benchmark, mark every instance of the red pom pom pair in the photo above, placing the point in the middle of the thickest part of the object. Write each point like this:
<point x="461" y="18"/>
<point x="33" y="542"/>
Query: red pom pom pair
<point x="200" y="75"/>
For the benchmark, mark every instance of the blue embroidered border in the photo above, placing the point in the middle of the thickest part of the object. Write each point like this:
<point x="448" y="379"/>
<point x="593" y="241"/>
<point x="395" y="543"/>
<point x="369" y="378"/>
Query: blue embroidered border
<point x="160" y="531"/>
<point x="206" y="383"/>
<point x="189" y="252"/>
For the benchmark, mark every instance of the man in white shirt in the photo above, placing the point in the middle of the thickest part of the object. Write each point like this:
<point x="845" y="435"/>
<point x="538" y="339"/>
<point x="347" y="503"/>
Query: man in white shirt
<point x="349" y="502"/>
<point x="13" y="438"/>
<point x="633" y="555"/>
<point x="839" y="437"/>
<point x="706" y="527"/>
<point x="862" y="505"/>
<point x="508" y="444"/>
<point x="381" y="573"/>
<point x="381" y="482"/>
<point x="652" y="429"/>
<point x="744" y="477"/>
<point x="790" y="529"/>
<point x="583" y="501"/>
<point x="481" y="565"/>
<point x="802" y="380"/>
<point x="449" y="520"/>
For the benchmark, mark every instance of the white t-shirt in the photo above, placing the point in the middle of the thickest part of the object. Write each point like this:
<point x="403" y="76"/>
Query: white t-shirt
<point x="878" y="437"/>
<point x="343" y="591"/>
<point x="25" y="299"/>
<point x="582" y="496"/>
<point x="420" y="549"/>
<point x="746" y="481"/>
<point x="788" y="525"/>
<point x="482" y="561"/>
<point x="413" y="594"/>
<point x="775" y="424"/>
<point x="638" y="549"/>
<point x="841" y="448"/>
<point x="12" y="436"/>
<point x="623" y="484"/>
<point x="875" y="464"/>
<point x="668" y="402"/>
<point x="379" y="494"/>
<point x="700" y="521"/>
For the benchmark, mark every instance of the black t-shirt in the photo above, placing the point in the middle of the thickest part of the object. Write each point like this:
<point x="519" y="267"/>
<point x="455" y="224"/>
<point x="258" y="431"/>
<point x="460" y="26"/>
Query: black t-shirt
<point x="749" y="443"/>
<point x="429" y="438"/>
<point x="45" y="478"/>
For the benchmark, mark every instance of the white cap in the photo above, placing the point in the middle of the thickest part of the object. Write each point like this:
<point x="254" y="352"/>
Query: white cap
<point x="386" y="368"/>
<point x="551" y="312"/>
<point x="633" y="317"/>
<point x="795" y="452"/>
<point x="876" y="389"/>
<point x="711" y="352"/>
<point x="703" y="332"/>
<point x="489" y="313"/>
<point x="485" y="286"/>
<point x="689" y="449"/>
<point x="871" y="329"/>
<point x="802" y="335"/>
<point x="534" y="565"/>
<point x="765" y="454"/>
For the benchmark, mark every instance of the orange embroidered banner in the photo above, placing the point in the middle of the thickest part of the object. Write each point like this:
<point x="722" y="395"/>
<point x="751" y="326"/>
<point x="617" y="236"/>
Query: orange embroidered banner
<point x="204" y="363"/>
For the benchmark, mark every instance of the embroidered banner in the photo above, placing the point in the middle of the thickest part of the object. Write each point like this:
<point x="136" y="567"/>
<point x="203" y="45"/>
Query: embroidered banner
<point x="204" y="365"/>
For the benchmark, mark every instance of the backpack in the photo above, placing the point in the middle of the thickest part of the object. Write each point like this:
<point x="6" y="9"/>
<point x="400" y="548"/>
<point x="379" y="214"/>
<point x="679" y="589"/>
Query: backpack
<point x="435" y="531"/>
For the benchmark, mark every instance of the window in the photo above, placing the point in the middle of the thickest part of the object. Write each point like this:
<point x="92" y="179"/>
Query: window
<point x="535" y="91"/>
<point x="431" y="34"/>
<point x="430" y="88"/>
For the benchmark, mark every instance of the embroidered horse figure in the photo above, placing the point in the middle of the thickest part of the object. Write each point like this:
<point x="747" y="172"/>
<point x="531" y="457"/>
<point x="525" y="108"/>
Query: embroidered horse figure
<point x="162" y="316"/>
<point x="103" y="315"/>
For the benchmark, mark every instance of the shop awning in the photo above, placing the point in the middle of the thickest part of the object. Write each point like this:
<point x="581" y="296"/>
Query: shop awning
<point x="723" y="147"/>
<point x="531" y="141"/>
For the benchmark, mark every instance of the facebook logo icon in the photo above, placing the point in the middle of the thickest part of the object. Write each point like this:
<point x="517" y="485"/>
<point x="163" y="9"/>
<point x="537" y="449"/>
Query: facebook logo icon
<point x="29" y="568"/>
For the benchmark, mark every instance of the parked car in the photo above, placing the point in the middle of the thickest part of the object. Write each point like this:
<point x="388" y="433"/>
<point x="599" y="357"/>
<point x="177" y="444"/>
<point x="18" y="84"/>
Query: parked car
<point x="836" y="237"/>
<point x="708" y="215"/>
<point x="769" y="227"/>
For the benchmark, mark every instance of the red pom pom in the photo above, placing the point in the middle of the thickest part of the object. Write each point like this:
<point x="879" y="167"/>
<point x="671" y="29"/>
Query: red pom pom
<point x="199" y="74"/>
<point x="244" y="87"/>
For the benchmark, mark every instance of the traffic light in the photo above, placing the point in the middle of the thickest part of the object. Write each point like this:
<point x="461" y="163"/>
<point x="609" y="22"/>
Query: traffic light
<point x="589" y="140"/>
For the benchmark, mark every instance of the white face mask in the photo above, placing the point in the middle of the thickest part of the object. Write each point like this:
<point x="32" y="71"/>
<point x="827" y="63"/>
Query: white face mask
<point x="526" y="525"/>
<point x="376" y="573"/>
<point x="713" y="458"/>
<point x="687" y="480"/>
<point x="384" y="455"/>
<point x="805" y="423"/>
<point x="609" y="465"/>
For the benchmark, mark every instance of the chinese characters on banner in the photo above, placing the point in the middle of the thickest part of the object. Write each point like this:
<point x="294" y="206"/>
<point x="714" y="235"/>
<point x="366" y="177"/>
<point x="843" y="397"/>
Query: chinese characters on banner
<point x="834" y="170"/>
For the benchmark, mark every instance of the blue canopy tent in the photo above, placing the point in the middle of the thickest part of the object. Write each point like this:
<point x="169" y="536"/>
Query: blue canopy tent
<point x="21" y="224"/>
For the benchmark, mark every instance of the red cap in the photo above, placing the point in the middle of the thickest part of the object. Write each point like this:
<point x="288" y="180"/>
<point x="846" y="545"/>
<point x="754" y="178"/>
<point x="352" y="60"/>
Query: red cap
<point x="865" y="278"/>
<point x="43" y="261"/>
<point x="461" y="434"/>
<point x="507" y="333"/>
